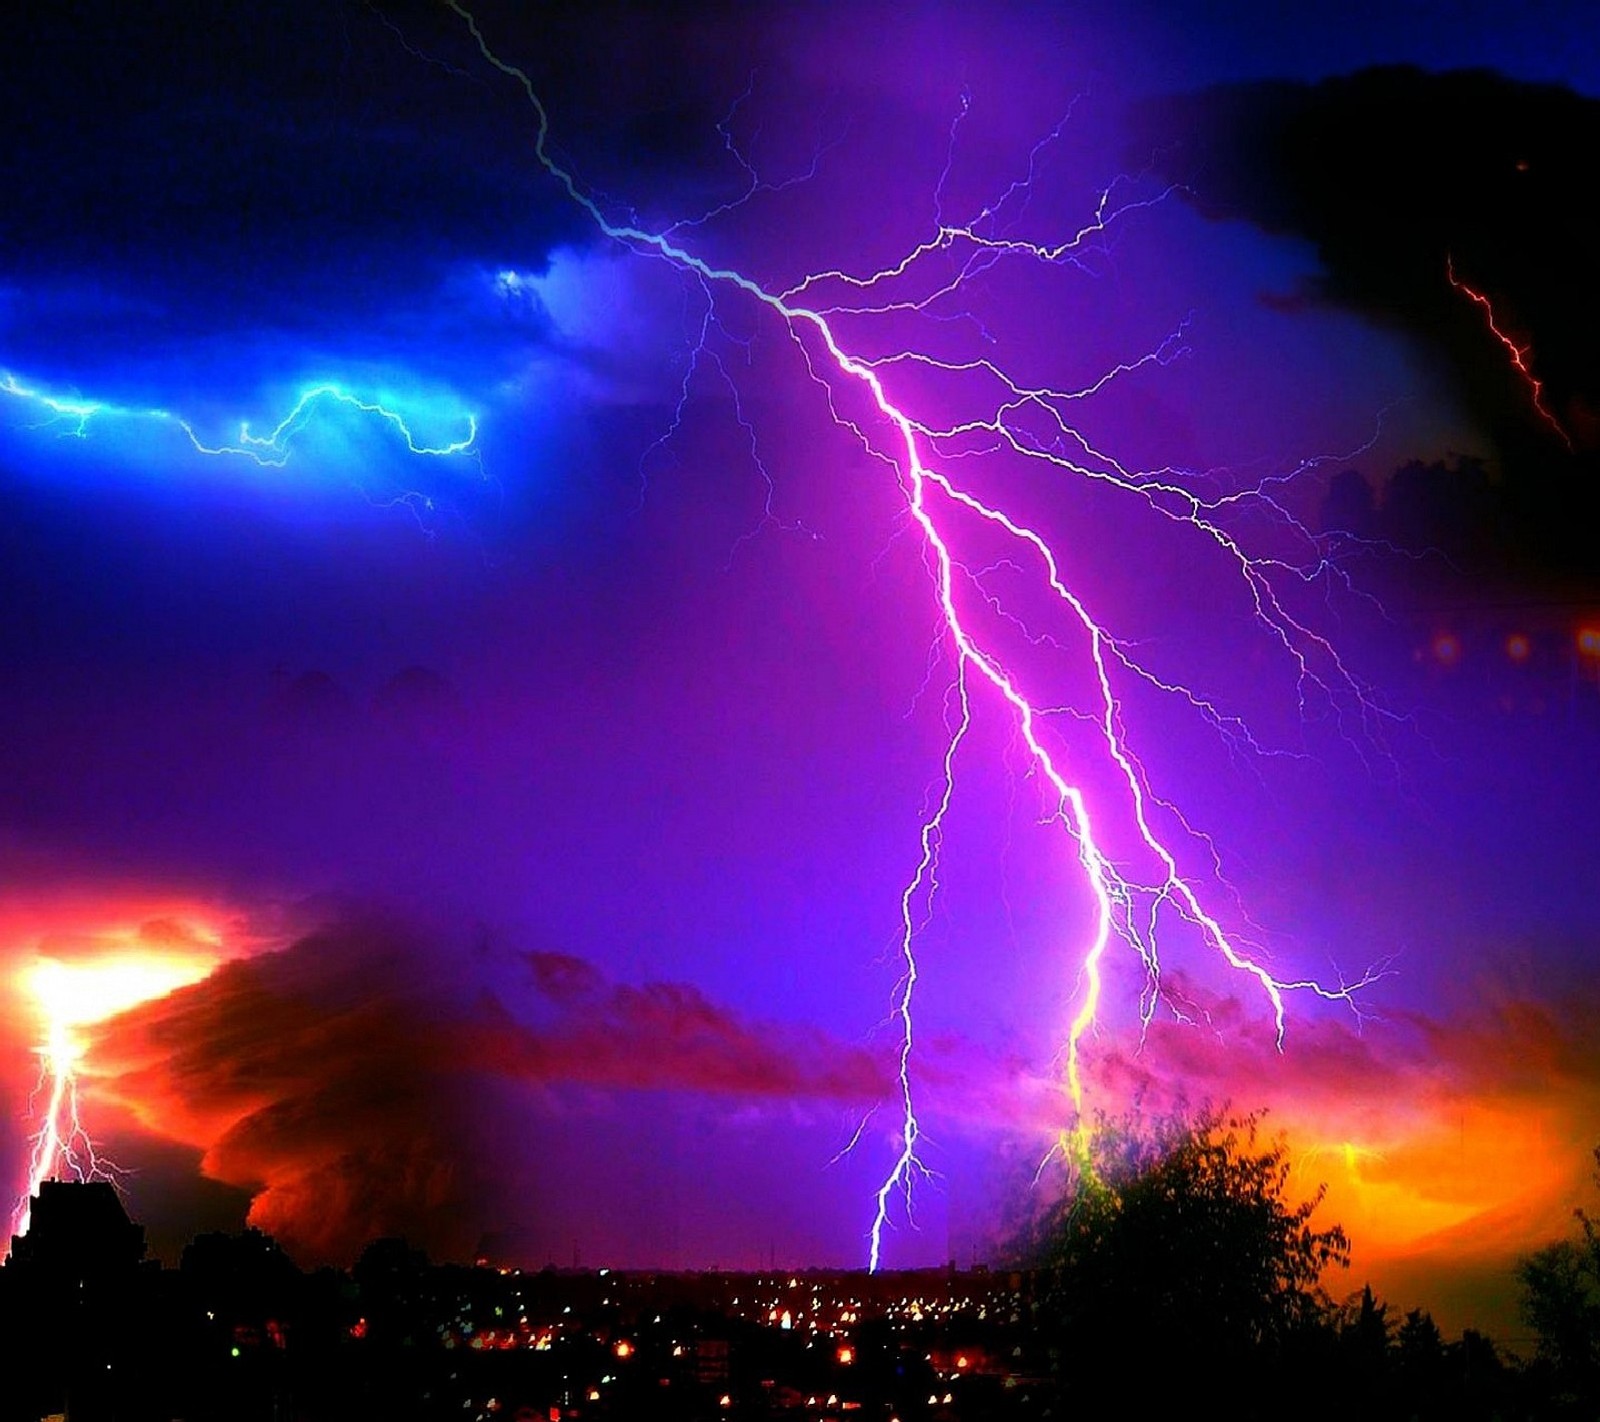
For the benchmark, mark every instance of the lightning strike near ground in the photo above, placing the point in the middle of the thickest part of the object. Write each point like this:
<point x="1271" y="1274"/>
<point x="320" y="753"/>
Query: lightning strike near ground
<point x="68" y="997"/>
<point x="1519" y="356"/>
<point x="1130" y="848"/>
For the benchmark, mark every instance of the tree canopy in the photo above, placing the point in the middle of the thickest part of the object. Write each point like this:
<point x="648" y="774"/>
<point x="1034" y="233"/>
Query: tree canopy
<point x="1180" y="1241"/>
<point x="1561" y="1302"/>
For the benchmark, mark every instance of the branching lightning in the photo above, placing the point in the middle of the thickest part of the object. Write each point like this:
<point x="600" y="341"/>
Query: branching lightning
<point x="1128" y="906"/>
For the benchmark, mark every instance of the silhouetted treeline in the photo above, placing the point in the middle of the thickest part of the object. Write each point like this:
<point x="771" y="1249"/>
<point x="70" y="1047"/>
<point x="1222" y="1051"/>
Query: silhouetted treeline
<point x="1524" y="526"/>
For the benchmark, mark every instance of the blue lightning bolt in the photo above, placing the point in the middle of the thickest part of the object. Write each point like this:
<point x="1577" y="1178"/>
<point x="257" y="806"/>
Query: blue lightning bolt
<point x="272" y="450"/>
<point x="78" y="417"/>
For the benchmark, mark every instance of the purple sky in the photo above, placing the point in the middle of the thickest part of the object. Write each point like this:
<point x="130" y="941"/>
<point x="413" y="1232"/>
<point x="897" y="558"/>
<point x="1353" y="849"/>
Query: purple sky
<point x="558" y="798"/>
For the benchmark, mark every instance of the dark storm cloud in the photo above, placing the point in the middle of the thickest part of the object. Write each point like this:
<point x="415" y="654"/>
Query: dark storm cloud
<point x="303" y="151"/>
<point x="340" y="1081"/>
<point x="199" y="199"/>
<point x="1397" y="176"/>
<point x="265" y="135"/>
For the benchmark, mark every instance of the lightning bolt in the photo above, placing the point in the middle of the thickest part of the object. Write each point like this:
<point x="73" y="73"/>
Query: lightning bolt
<point x="1518" y="355"/>
<point x="61" y="1148"/>
<point x="908" y="1165"/>
<point x="272" y="449"/>
<point x="1033" y="424"/>
<point x="68" y="997"/>
<point x="77" y="416"/>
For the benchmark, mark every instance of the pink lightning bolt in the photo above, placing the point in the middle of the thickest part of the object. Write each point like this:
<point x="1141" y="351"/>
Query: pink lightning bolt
<point x="1126" y="907"/>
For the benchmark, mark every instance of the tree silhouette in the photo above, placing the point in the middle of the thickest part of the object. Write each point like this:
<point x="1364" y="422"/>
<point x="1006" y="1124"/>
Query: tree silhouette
<point x="1561" y="1302"/>
<point x="1180" y="1248"/>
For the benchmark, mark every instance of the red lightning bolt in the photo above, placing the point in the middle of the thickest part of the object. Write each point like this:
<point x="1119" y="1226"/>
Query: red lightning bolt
<point x="1519" y="354"/>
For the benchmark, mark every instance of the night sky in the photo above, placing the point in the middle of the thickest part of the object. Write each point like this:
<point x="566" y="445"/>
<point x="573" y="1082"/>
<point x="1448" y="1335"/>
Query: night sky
<point x="538" y="811"/>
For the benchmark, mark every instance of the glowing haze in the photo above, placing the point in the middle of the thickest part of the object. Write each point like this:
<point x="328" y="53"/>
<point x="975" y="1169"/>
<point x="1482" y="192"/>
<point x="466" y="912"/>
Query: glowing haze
<point x="759" y="630"/>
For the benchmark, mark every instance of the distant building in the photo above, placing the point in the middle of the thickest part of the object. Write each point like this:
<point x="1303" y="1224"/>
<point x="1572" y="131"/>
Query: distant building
<point x="78" y="1231"/>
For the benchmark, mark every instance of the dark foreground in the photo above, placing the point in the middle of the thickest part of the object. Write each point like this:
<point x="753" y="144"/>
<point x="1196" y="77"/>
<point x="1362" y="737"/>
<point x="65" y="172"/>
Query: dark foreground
<point x="92" y="1332"/>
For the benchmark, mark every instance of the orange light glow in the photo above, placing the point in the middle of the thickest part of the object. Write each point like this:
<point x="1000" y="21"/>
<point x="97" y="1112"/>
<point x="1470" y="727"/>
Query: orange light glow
<point x="1448" y="1180"/>
<point x="1448" y="1151"/>
<point x="107" y="972"/>
<point x="80" y="993"/>
<point x="1464" y="1181"/>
